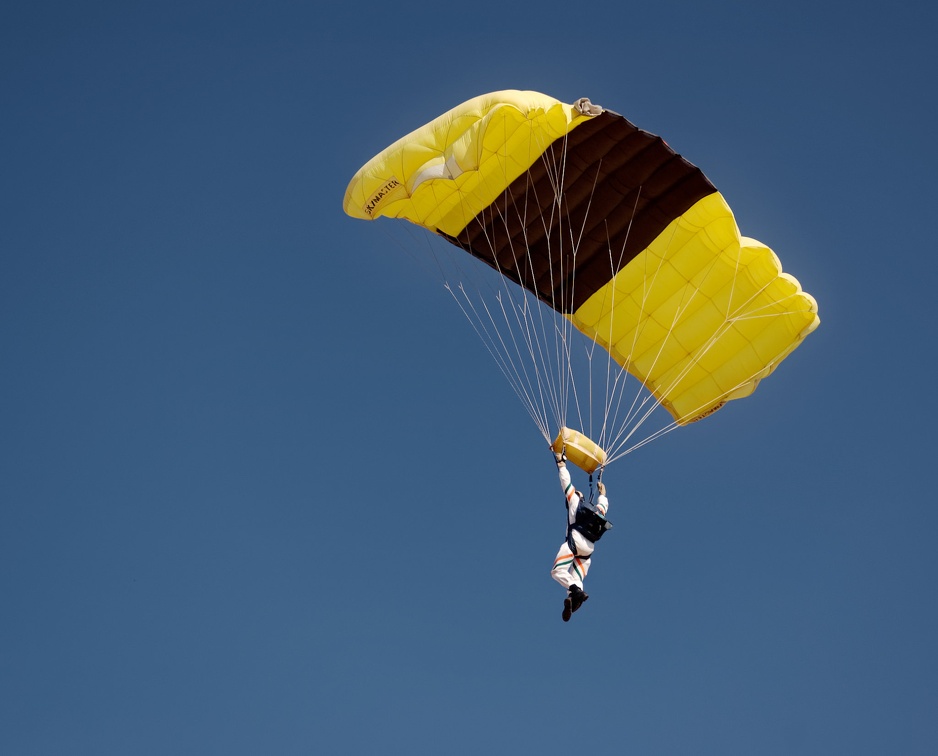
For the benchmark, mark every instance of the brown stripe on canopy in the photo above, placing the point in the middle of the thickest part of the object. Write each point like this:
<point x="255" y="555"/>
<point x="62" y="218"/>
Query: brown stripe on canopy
<point x="621" y="188"/>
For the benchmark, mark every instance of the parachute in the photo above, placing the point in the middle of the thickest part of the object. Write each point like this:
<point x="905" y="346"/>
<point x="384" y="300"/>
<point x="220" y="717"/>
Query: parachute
<point x="592" y="224"/>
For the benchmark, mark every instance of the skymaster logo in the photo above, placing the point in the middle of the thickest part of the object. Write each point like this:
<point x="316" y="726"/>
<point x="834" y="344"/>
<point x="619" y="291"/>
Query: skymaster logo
<point x="393" y="189"/>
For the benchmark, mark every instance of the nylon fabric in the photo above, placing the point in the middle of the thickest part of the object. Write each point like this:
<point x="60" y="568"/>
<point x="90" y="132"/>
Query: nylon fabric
<point x="609" y="227"/>
<point x="702" y="315"/>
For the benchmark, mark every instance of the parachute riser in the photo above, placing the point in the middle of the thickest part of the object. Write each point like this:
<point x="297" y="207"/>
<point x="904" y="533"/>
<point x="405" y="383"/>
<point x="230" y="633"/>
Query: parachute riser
<point x="599" y="478"/>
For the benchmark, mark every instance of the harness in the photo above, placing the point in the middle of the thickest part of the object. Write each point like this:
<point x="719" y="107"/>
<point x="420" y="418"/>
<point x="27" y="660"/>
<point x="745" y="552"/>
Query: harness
<point x="588" y="522"/>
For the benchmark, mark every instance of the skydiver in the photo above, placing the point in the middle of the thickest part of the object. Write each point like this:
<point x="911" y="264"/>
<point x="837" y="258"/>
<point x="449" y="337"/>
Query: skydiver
<point x="586" y="524"/>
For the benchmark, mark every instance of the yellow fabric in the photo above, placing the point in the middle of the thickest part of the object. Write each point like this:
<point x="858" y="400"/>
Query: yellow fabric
<point x="579" y="449"/>
<point x="702" y="315"/>
<point x="478" y="149"/>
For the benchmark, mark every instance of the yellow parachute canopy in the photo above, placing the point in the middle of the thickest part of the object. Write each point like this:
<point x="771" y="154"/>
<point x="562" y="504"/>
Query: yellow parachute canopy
<point x="607" y="225"/>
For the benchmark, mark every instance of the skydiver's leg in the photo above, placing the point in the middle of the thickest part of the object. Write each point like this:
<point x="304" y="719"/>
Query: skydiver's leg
<point x="563" y="563"/>
<point x="581" y="565"/>
<point x="569" y="569"/>
<point x="579" y="569"/>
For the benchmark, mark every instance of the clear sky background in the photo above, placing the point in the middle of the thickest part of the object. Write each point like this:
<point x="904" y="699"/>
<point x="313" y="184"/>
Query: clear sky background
<point x="262" y="490"/>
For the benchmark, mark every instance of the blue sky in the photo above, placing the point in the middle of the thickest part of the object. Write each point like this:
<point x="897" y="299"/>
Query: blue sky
<point x="263" y="491"/>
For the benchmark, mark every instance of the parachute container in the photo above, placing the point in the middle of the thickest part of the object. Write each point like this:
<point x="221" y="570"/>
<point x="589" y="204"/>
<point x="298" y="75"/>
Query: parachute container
<point x="580" y="449"/>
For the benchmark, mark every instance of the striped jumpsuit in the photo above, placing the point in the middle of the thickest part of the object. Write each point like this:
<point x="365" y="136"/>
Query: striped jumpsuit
<point x="569" y="568"/>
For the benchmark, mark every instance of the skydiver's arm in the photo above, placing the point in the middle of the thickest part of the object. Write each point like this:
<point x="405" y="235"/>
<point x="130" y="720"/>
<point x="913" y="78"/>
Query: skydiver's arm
<point x="602" y="503"/>
<point x="564" y="479"/>
<point x="569" y="492"/>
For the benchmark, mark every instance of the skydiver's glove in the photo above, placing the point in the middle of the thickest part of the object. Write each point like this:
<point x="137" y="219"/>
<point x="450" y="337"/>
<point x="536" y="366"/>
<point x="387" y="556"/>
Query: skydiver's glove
<point x="601" y="487"/>
<point x="560" y="459"/>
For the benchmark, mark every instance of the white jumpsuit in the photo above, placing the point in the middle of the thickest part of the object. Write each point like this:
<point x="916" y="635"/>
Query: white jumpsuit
<point x="569" y="568"/>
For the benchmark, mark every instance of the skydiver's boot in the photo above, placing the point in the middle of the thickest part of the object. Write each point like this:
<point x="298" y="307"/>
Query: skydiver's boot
<point x="567" y="608"/>
<point x="577" y="597"/>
